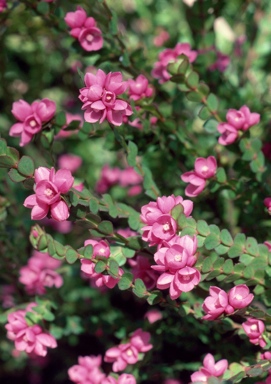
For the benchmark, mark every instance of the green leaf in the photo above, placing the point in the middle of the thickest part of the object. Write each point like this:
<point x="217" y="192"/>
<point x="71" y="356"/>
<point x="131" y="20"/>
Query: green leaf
<point x="221" y="249"/>
<point x="26" y="166"/>
<point x="183" y="67"/>
<point x="194" y="96"/>
<point x="204" y="113"/>
<point x="228" y="267"/>
<point x="132" y="154"/>
<point x="88" y="251"/>
<point x="113" y="268"/>
<point x="100" y="266"/>
<point x="154" y="298"/>
<point x="221" y="175"/>
<point x="11" y="158"/>
<point x="203" y="89"/>
<point x="207" y="265"/>
<point x="212" y="241"/>
<point x="71" y="256"/>
<point x="113" y="25"/>
<point x="203" y="228"/>
<point x="246" y="259"/>
<point x="3" y="147"/>
<point x="252" y="246"/>
<point x="212" y="102"/>
<point x="60" y="119"/>
<point x="210" y="126"/>
<point x="139" y="289"/>
<point x="15" y="176"/>
<point x="106" y="227"/>
<point x="129" y="253"/>
<point x="43" y="8"/>
<point x="112" y="209"/>
<point x="176" y="211"/>
<point x="192" y="80"/>
<point x="226" y="238"/>
<point x="125" y="281"/>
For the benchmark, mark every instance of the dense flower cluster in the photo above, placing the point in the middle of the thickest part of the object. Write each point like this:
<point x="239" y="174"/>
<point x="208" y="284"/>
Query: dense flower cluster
<point x="170" y="55"/>
<point x="157" y="215"/>
<point x="100" y="98"/>
<point x="139" y="88"/>
<point x="49" y="185"/>
<point x="175" y="259"/>
<point x="237" y="120"/>
<point x="141" y="269"/>
<point x="210" y="368"/>
<point x="40" y="273"/>
<point x="204" y="169"/>
<point x="100" y="249"/>
<point x="84" y="29"/>
<point x="220" y="302"/>
<point x="128" y="353"/>
<point x="31" y="118"/>
<point x="31" y="339"/>
<point x="127" y="177"/>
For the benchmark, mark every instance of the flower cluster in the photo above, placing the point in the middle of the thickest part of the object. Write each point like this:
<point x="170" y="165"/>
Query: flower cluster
<point x="157" y="215"/>
<point x="30" y="339"/>
<point x="100" y="249"/>
<point x="128" y="353"/>
<point x="88" y="371"/>
<point x="84" y="29"/>
<point x="220" y="302"/>
<point x="124" y="177"/>
<point x="100" y="98"/>
<point x="175" y="259"/>
<point x="237" y="120"/>
<point x="210" y="369"/>
<point x="139" y="88"/>
<point x="170" y="55"/>
<point x="49" y="185"/>
<point x="204" y="169"/>
<point x="40" y="273"/>
<point x="31" y="118"/>
<point x="63" y="133"/>
<point x="70" y="162"/>
<point x="141" y="269"/>
<point x="3" y="5"/>
<point x="254" y="329"/>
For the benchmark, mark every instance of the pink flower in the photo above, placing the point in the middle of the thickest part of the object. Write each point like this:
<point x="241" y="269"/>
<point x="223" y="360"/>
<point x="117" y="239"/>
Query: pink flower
<point x="161" y="38"/>
<point x="210" y="368"/>
<point x="129" y="176"/>
<point x="204" y="169"/>
<point x="141" y="268"/>
<point x="100" y="248"/>
<point x="39" y="273"/>
<point x="48" y="189"/>
<point x="100" y="98"/>
<point x="70" y="162"/>
<point x="215" y="304"/>
<point x="126" y="232"/>
<point x="229" y="134"/>
<point x="109" y="177"/>
<point x="267" y="203"/>
<point x="63" y="133"/>
<point x="139" y="88"/>
<point x="3" y="5"/>
<point x="84" y="29"/>
<point x="30" y="339"/>
<point x="153" y="315"/>
<point x="127" y="353"/>
<point x="160" y="225"/>
<point x="222" y="62"/>
<point x="126" y="378"/>
<point x="254" y="329"/>
<point x="241" y="119"/>
<point x="266" y="355"/>
<point x="239" y="297"/>
<point x="31" y="118"/>
<point x="170" y="55"/>
<point x="87" y="371"/>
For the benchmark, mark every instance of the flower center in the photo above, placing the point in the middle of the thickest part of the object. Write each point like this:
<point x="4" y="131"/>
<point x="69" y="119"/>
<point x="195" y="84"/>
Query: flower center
<point x="238" y="297"/>
<point x="33" y="123"/>
<point x="109" y="96"/>
<point x="253" y="327"/>
<point x="129" y="352"/>
<point x="89" y="38"/>
<point x="186" y="278"/>
<point x="178" y="258"/>
<point x="166" y="227"/>
<point x="204" y="168"/>
<point x="49" y="193"/>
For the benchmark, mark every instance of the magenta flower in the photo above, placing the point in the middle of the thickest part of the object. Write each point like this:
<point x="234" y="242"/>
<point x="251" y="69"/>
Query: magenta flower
<point x="204" y="169"/>
<point x="30" y="339"/>
<point x="84" y="29"/>
<point x="40" y="273"/>
<point x="237" y="120"/>
<point x="70" y="162"/>
<point x="222" y="62"/>
<point x="140" y="340"/>
<point x="139" y="88"/>
<point x="239" y="297"/>
<point x="100" y="98"/>
<point x="254" y="329"/>
<point x="87" y="371"/>
<point x="126" y="378"/>
<point x="47" y="198"/>
<point x="31" y="118"/>
<point x="215" y="304"/>
<point x="153" y="315"/>
<point x="210" y="368"/>
<point x="63" y="133"/>
<point x="141" y="269"/>
<point x="3" y="5"/>
<point x="267" y="203"/>
<point x="161" y="38"/>
<point x="160" y="224"/>
<point x="170" y="55"/>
